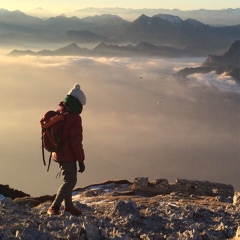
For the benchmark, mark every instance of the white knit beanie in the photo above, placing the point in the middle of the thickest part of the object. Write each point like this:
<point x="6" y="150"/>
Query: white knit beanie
<point x="78" y="93"/>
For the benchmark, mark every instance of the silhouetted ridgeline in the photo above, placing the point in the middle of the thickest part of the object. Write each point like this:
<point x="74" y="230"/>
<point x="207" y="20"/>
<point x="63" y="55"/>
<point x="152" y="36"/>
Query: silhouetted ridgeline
<point x="228" y="63"/>
<point x="159" y="30"/>
<point x="142" y="49"/>
<point x="6" y="191"/>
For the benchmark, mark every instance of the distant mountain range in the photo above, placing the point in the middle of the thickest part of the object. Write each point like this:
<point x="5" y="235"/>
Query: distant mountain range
<point x="221" y="17"/>
<point x="162" y="29"/>
<point x="228" y="63"/>
<point x="142" y="49"/>
<point x="173" y="31"/>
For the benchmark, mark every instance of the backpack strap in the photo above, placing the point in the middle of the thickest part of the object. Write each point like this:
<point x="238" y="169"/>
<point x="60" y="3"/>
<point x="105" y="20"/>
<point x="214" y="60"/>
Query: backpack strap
<point x="49" y="161"/>
<point x="43" y="156"/>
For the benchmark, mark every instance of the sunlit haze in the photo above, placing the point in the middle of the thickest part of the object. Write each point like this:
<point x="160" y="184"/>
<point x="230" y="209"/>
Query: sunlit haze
<point x="61" y="6"/>
<point x="150" y="126"/>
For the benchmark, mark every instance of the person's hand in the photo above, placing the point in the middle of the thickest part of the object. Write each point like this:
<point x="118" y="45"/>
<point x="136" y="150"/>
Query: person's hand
<point x="81" y="167"/>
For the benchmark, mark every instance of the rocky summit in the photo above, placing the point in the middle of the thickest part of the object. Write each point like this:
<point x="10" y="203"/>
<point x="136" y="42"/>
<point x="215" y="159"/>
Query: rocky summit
<point x="197" y="210"/>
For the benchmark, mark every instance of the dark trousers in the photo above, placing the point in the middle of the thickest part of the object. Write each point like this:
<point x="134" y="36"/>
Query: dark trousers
<point x="69" y="172"/>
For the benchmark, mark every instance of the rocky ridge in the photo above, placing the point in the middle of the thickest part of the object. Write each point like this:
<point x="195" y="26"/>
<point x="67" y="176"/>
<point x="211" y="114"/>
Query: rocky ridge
<point x="142" y="49"/>
<point x="228" y="64"/>
<point x="131" y="211"/>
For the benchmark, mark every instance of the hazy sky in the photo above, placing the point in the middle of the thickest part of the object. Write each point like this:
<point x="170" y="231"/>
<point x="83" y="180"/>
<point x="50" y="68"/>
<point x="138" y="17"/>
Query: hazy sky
<point x="59" y="6"/>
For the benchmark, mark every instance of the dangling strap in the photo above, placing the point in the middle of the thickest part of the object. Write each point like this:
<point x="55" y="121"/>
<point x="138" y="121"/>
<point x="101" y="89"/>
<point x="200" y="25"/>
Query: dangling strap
<point x="43" y="156"/>
<point x="49" y="161"/>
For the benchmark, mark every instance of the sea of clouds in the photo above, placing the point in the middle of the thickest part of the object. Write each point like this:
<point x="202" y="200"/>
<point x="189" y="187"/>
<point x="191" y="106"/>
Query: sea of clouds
<point x="138" y="121"/>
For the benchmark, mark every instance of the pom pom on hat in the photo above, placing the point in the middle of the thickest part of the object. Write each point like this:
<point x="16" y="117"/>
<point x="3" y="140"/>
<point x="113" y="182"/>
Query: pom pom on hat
<point x="78" y="93"/>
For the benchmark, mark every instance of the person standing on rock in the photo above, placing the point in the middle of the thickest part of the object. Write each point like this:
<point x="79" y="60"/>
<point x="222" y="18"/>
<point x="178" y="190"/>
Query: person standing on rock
<point x="71" y="151"/>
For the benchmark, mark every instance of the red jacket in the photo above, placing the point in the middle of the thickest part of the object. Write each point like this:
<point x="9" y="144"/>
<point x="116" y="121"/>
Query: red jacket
<point x="72" y="148"/>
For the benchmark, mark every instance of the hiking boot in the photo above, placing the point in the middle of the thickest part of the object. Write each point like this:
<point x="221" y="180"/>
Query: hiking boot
<point x="54" y="210"/>
<point x="74" y="211"/>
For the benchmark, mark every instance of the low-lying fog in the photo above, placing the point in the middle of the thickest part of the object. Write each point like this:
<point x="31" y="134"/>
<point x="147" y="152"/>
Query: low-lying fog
<point x="138" y="121"/>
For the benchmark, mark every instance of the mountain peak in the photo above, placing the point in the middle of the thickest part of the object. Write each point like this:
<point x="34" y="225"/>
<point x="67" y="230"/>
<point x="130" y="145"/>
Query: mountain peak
<point x="73" y="45"/>
<point x="227" y="64"/>
<point x="230" y="58"/>
<point x="175" y="20"/>
<point x="142" y="17"/>
<point x="2" y="10"/>
<point x="234" y="49"/>
<point x="106" y="19"/>
<point x="194" y="22"/>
